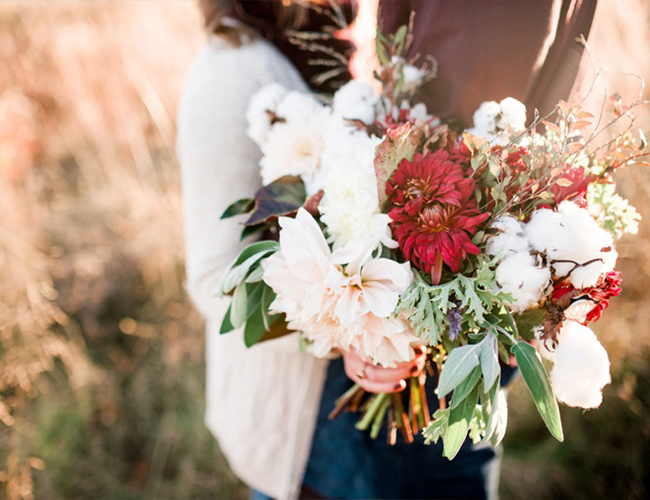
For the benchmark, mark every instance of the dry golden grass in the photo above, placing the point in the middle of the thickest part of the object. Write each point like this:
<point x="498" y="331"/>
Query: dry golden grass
<point x="101" y="354"/>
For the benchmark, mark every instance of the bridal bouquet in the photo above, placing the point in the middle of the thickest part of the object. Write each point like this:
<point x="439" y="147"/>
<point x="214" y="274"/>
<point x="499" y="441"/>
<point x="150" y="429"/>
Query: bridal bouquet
<point x="386" y="230"/>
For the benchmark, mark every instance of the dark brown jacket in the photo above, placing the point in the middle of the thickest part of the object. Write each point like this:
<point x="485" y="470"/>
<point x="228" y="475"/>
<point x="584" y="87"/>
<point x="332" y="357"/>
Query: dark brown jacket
<point x="491" y="49"/>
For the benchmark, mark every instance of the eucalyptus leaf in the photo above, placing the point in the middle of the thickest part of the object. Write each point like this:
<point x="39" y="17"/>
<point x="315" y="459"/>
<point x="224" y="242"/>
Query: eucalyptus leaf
<point x="460" y="362"/>
<point x="458" y="426"/>
<point x="540" y="388"/>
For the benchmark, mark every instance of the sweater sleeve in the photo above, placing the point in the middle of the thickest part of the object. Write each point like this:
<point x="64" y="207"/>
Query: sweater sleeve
<point x="219" y="163"/>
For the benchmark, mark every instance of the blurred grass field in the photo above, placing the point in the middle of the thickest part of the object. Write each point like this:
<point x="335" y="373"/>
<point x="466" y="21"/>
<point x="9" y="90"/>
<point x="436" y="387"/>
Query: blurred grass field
<point x="101" y="354"/>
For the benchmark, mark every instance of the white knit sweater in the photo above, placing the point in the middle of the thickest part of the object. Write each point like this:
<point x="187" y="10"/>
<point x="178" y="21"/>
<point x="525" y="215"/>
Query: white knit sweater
<point x="261" y="402"/>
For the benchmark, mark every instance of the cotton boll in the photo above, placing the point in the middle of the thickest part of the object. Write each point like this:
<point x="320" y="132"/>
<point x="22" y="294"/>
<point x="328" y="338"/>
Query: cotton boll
<point x="508" y="224"/>
<point x="413" y="77"/>
<point x="264" y="101"/>
<point x="571" y="236"/>
<point x="505" y="244"/>
<point x="581" y="367"/>
<point x="522" y="277"/>
<point x="356" y="101"/>
<point x="510" y="239"/>
<point x="513" y="114"/>
<point x="546" y="232"/>
<point x="485" y="120"/>
<point x="592" y="246"/>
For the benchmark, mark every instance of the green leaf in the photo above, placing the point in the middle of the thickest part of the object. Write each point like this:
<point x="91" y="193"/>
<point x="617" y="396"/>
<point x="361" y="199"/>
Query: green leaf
<point x="239" y="306"/>
<point x="254" y="292"/>
<point x="529" y="320"/>
<point x="437" y="427"/>
<point x="458" y="426"/>
<point x="268" y="296"/>
<point x="540" y="388"/>
<point x="398" y="144"/>
<point x="281" y="197"/>
<point x="498" y="421"/>
<point x="477" y="425"/>
<point x="249" y="231"/>
<point x="255" y="248"/>
<point x="489" y="358"/>
<point x="460" y="362"/>
<point x="254" y="329"/>
<point x="466" y="387"/>
<point x="256" y="275"/>
<point x="239" y="269"/>
<point x="226" y="325"/>
<point x="242" y="206"/>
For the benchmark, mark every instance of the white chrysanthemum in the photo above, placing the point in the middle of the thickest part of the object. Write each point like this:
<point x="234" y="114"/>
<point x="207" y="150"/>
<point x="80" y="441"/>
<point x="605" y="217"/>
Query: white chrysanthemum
<point x="263" y="101"/>
<point x="510" y="239"/>
<point x="350" y="204"/>
<point x="356" y="101"/>
<point x="522" y="276"/>
<point x="581" y="367"/>
<point x="495" y="121"/>
<point x="573" y="242"/>
<point x="342" y="299"/>
<point x="295" y="146"/>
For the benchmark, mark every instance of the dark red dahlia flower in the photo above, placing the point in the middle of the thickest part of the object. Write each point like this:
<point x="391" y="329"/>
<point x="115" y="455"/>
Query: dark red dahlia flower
<point x="434" y="212"/>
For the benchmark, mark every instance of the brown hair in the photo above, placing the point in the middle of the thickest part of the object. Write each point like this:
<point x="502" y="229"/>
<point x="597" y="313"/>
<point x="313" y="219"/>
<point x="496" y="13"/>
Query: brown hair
<point x="287" y="14"/>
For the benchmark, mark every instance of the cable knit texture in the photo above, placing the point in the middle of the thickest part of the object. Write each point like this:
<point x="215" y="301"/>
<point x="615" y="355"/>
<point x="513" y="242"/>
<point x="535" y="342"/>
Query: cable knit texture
<point x="262" y="402"/>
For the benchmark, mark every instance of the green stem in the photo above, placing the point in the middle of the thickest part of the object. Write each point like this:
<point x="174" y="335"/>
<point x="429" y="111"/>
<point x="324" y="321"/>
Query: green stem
<point x="369" y="416"/>
<point x="376" y="424"/>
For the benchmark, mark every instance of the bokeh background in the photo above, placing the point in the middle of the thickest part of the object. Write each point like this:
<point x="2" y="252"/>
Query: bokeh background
<point x="101" y="354"/>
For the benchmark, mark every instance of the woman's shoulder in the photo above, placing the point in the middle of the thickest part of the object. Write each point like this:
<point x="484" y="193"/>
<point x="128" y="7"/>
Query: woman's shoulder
<point x="238" y="70"/>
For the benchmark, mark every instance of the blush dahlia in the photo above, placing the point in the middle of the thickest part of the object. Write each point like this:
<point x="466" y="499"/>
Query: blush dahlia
<point x="434" y="212"/>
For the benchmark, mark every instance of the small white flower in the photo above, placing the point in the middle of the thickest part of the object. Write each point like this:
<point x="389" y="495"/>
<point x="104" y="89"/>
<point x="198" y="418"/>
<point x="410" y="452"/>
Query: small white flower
<point x="263" y="101"/>
<point x="581" y="367"/>
<point x="356" y="101"/>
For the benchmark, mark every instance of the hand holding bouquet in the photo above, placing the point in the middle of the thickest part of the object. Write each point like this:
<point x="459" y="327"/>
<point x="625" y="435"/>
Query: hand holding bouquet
<point x="400" y="239"/>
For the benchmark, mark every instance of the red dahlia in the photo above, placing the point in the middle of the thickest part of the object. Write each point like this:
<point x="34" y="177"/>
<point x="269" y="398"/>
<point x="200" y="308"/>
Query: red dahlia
<point x="434" y="212"/>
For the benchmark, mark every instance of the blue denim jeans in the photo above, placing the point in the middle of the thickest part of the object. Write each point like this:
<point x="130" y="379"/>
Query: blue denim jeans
<point x="347" y="463"/>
